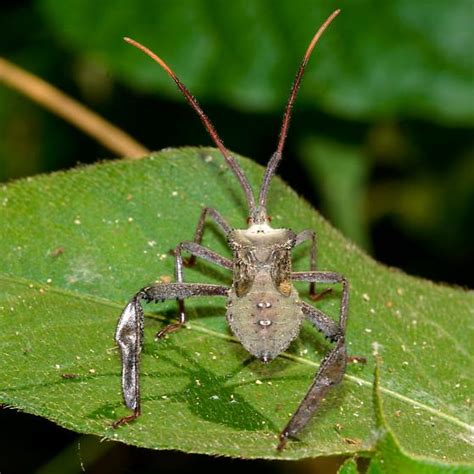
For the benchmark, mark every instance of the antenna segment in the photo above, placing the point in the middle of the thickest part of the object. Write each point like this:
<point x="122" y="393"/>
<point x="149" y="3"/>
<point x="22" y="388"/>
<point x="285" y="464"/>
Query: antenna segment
<point x="276" y="157"/>
<point x="234" y="166"/>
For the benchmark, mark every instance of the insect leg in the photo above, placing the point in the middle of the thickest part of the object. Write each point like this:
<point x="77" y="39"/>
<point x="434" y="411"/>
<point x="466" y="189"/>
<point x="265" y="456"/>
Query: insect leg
<point x="196" y="250"/>
<point x="217" y="218"/>
<point x="329" y="277"/>
<point x="333" y="366"/>
<point x="129" y="333"/>
<point x="330" y="373"/>
<point x="304" y="236"/>
<point x="322" y="322"/>
<point x="317" y="317"/>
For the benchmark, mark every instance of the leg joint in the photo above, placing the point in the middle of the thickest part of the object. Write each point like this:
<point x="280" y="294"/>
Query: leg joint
<point x="337" y="336"/>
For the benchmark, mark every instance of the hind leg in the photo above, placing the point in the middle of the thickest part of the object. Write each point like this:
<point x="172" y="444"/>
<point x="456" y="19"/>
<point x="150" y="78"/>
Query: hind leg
<point x="129" y="334"/>
<point x="333" y="366"/>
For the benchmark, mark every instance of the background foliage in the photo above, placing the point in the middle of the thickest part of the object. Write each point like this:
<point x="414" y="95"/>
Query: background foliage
<point x="381" y="139"/>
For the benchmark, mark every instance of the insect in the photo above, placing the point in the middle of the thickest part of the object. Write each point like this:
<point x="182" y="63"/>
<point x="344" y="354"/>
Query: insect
<point x="264" y="310"/>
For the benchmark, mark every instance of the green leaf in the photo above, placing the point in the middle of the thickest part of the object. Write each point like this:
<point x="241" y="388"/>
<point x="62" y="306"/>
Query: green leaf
<point x="349" y="467"/>
<point x="341" y="173"/>
<point x="77" y="245"/>
<point x="373" y="62"/>
<point x="389" y="457"/>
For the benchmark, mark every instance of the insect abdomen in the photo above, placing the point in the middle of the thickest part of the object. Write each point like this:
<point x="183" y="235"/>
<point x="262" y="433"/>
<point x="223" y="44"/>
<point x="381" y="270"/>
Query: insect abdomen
<point x="265" y="320"/>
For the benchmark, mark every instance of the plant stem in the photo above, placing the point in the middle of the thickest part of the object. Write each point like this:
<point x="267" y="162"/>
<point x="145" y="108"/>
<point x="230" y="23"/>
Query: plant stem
<point x="69" y="109"/>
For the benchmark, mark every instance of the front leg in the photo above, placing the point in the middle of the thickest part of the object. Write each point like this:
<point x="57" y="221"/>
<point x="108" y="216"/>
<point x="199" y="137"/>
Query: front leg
<point x="215" y="215"/>
<point x="196" y="250"/>
<point x="129" y="334"/>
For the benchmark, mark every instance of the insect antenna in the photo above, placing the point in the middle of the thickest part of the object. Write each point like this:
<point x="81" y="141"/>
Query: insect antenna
<point x="276" y="157"/>
<point x="239" y="173"/>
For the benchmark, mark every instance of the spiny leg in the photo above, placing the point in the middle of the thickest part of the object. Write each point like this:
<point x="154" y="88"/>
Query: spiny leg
<point x="304" y="236"/>
<point x="322" y="322"/>
<point x="330" y="373"/>
<point x="196" y="250"/>
<point x="333" y="366"/>
<point x="329" y="277"/>
<point x="217" y="218"/>
<point x="129" y="338"/>
<point x="129" y="334"/>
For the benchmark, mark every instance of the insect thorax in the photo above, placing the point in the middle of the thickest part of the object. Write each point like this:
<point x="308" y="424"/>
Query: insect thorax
<point x="261" y="249"/>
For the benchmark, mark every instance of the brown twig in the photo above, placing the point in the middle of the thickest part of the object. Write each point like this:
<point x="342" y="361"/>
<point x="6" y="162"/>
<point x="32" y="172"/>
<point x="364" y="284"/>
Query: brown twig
<point x="69" y="109"/>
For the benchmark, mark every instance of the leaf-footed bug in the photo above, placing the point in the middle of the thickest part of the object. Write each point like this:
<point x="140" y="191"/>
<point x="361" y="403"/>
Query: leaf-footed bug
<point x="264" y="310"/>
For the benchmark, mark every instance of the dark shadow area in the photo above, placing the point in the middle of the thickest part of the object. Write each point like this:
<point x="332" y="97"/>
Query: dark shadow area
<point x="58" y="450"/>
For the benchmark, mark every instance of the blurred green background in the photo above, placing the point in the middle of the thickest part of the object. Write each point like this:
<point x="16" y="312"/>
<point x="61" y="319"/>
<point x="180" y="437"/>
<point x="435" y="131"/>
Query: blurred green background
<point x="381" y="139"/>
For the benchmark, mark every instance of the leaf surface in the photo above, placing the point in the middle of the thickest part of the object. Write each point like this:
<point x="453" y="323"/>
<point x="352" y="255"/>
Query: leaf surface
<point x="389" y="457"/>
<point x="77" y="245"/>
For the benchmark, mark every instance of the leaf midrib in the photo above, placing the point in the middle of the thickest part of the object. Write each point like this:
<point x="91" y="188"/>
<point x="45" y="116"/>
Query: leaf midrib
<point x="204" y="330"/>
